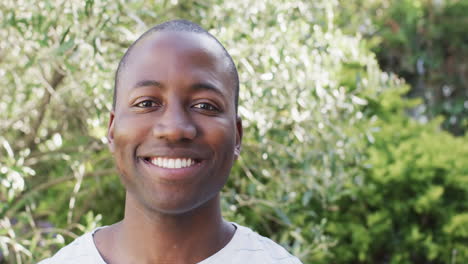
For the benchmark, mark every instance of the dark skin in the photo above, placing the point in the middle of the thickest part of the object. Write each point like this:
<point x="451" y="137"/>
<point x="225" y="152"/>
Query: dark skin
<point x="175" y="101"/>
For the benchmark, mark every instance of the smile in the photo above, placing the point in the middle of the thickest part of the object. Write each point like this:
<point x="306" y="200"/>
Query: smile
<point x="171" y="163"/>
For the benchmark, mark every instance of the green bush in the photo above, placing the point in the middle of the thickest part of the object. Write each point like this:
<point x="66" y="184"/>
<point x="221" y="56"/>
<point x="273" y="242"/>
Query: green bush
<point x="423" y="42"/>
<point x="409" y="203"/>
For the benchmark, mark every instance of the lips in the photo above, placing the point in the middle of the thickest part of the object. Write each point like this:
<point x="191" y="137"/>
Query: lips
<point x="174" y="157"/>
<point x="173" y="168"/>
<point x="171" y="163"/>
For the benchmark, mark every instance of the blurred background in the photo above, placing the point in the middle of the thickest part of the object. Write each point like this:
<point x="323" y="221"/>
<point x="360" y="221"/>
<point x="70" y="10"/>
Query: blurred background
<point x="355" y="113"/>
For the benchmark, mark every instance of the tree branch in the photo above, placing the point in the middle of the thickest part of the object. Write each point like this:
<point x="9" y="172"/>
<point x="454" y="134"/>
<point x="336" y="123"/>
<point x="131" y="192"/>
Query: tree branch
<point x="19" y="201"/>
<point x="57" y="78"/>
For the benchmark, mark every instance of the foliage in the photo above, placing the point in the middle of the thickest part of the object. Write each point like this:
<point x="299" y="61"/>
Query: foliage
<point x="408" y="206"/>
<point x="422" y="41"/>
<point x="311" y="99"/>
<point x="55" y="76"/>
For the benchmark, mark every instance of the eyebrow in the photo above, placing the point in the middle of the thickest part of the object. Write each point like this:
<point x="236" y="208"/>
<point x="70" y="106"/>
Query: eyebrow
<point x="146" y="83"/>
<point x="197" y="86"/>
<point x="207" y="87"/>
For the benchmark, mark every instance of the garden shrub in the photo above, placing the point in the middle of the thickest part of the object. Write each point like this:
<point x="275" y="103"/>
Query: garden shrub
<point x="409" y="203"/>
<point x="421" y="41"/>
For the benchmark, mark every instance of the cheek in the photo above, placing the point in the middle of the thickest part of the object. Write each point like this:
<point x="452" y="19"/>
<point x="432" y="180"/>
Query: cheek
<point x="127" y="137"/>
<point x="129" y="130"/>
<point x="221" y="135"/>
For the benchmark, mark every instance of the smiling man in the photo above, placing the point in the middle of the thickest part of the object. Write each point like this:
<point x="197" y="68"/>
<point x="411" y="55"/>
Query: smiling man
<point x="175" y="134"/>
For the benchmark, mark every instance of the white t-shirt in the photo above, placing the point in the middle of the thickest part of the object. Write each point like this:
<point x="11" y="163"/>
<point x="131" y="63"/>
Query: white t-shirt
<point x="245" y="247"/>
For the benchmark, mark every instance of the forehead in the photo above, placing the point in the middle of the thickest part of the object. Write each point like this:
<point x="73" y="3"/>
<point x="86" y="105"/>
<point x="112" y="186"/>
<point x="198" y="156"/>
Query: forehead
<point x="162" y="53"/>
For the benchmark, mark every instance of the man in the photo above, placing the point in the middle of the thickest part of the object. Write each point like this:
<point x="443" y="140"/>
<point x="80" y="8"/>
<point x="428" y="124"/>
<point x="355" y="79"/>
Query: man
<point x="175" y="134"/>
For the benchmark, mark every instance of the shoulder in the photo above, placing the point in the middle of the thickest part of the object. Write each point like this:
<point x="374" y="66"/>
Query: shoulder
<point x="248" y="246"/>
<point x="264" y="247"/>
<point x="81" y="250"/>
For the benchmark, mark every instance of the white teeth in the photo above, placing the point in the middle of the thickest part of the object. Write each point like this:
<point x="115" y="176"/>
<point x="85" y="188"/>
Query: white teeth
<point x="172" y="163"/>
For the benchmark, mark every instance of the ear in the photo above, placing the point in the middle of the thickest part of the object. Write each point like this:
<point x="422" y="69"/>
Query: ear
<point x="239" y="134"/>
<point x="110" y="131"/>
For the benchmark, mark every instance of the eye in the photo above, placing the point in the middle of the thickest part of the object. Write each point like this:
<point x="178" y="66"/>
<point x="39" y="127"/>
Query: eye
<point x="206" y="107"/>
<point x="147" y="104"/>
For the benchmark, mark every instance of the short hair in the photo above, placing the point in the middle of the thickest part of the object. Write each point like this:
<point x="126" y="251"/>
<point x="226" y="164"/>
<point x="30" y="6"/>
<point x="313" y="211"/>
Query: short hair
<point x="179" y="25"/>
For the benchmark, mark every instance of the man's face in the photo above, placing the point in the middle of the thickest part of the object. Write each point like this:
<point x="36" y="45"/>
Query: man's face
<point x="174" y="132"/>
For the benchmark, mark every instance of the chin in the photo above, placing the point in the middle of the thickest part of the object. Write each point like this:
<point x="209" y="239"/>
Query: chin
<point x="173" y="206"/>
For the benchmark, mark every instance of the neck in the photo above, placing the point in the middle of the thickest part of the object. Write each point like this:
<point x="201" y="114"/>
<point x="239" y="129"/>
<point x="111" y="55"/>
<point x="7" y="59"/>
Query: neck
<point x="152" y="237"/>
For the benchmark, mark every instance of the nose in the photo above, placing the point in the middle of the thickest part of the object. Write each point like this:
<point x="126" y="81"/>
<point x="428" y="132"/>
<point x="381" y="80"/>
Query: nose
<point x="175" y="125"/>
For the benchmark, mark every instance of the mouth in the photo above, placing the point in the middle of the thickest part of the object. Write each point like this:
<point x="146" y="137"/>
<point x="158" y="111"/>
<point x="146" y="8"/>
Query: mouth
<point x="172" y="163"/>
